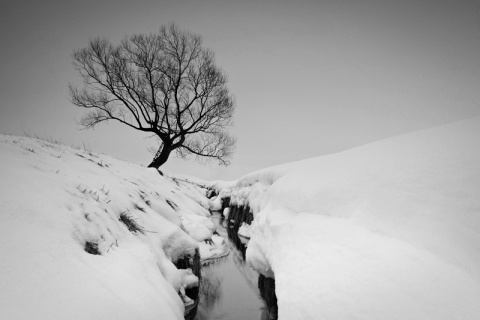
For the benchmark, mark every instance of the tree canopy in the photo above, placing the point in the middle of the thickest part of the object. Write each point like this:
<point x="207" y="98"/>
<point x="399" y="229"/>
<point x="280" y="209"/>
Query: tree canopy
<point x="165" y="84"/>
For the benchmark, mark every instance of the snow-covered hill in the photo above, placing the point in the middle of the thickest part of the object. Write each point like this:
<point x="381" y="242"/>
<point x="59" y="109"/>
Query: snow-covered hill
<point x="86" y="236"/>
<point x="389" y="230"/>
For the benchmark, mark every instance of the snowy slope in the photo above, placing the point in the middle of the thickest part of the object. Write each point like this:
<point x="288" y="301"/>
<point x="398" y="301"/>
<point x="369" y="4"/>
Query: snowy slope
<point x="389" y="230"/>
<point x="57" y="202"/>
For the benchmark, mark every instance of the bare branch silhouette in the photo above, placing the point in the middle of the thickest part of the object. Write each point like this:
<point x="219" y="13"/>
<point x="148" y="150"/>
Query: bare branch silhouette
<point x="166" y="84"/>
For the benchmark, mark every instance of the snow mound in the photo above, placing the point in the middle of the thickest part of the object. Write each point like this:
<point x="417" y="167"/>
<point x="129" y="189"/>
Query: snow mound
<point x="245" y="230"/>
<point x="86" y="236"/>
<point x="389" y="230"/>
<point x="213" y="249"/>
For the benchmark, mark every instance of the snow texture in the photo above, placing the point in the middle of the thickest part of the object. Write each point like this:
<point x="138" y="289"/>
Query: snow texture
<point x="245" y="230"/>
<point x="57" y="203"/>
<point x="388" y="230"/>
<point x="214" y="248"/>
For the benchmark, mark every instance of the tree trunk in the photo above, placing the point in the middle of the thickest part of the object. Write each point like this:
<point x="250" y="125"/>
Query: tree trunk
<point x="161" y="157"/>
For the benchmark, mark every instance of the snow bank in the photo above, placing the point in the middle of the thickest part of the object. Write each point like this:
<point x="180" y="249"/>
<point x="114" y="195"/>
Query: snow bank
<point x="214" y="248"/>
<point x="57" y="202"/>
<point x="389" y="230"/>
<point x="245" y="230"/>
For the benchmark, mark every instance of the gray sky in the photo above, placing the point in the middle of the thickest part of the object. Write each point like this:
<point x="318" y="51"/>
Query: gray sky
<point x="309" y="77"/>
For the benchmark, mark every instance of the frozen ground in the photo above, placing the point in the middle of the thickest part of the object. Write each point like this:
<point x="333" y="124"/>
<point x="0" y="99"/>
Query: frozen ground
<point x="58" y="202"/>
<point x="389" y="230"/>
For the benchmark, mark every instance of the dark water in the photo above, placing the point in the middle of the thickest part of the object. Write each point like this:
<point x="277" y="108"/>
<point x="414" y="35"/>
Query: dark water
<point x="230" y="289"/>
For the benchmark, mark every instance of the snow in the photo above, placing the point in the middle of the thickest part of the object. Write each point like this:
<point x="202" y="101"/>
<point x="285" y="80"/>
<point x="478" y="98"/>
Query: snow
<point x="245" y="230"/>
<point x="54" y="199"/>
<point x="217" y="248"/>
<point x="389" y="230"/>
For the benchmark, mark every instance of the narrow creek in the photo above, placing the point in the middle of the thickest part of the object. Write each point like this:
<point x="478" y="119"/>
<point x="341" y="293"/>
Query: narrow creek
<point x="229" y="289"/>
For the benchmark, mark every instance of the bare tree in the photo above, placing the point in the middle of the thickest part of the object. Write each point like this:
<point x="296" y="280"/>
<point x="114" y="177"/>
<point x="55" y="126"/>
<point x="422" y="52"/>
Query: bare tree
<point x="165" y="84"/>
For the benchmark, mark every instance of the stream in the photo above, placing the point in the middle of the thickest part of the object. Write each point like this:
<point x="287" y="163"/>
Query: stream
<point x="229" y="289"/>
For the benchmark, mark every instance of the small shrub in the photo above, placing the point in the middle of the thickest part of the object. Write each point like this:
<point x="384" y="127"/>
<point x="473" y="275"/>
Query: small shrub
<point x="138" y="207"/>
<point x="106" y="192"/>
<point x="172" y="204"/>
<point x="92" y="248"/>
<point x="90" y="153"/>
<point x="130" y="223"/>
<point x="29" y="149"/>
<point x="175" y="180"/>
<point x="103" y="165"/>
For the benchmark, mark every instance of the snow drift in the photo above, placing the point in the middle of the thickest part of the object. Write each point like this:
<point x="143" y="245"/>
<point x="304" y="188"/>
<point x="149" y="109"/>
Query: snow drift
<point x="86" y="236"/>
<point x="389" y="230"/>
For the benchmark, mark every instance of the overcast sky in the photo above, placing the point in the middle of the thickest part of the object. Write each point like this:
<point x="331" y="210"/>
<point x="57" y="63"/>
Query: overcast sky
<point x="309" y="77"/>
